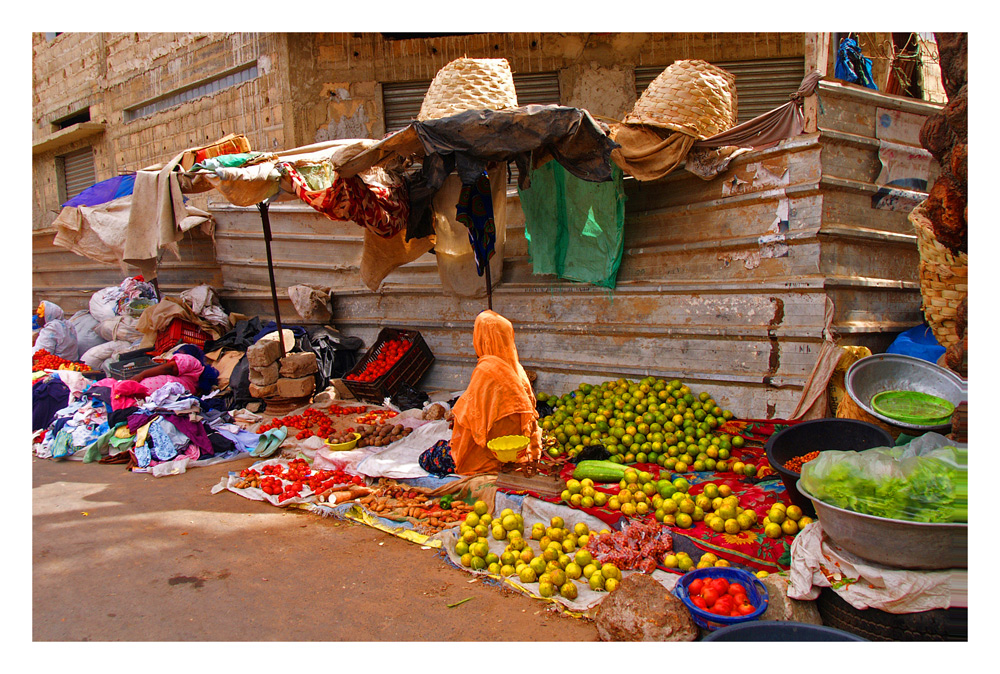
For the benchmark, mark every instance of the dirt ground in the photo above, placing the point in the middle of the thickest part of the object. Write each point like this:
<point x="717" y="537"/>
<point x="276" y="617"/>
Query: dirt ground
<point x="127" y="557"/>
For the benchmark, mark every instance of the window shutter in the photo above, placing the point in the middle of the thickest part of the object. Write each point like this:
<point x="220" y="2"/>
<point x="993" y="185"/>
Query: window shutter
<point x="77" y="169"/>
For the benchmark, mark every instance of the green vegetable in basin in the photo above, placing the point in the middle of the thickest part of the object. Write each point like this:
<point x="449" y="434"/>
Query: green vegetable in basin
<point x="922" y="483"/>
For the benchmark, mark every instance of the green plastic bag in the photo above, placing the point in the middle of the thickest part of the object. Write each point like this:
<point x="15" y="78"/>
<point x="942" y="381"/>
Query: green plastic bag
<point x="924" y="481"/>
<point x="575" y="228"/>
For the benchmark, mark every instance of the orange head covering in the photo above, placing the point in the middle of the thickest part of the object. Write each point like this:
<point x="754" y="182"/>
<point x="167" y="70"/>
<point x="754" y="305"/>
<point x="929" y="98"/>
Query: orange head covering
<point x="499" y="386"/>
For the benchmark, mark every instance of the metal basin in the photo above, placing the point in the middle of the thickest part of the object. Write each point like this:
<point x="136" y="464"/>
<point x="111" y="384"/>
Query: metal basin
<point x="870" y="376"/>
<point x="894" y="543"/>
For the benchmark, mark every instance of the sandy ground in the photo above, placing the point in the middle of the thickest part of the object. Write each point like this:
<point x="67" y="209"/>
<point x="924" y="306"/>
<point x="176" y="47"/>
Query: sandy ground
<point x="126" y="557"/>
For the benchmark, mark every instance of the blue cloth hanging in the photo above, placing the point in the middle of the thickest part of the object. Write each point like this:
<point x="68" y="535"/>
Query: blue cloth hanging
<point x="475" y="210"/>
<point x="104" y="191"/>
<point x="853" y="66"/>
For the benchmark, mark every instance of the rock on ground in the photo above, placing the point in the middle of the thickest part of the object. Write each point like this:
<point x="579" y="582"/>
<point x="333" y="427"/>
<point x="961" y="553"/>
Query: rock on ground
<point x="641" y="609"/>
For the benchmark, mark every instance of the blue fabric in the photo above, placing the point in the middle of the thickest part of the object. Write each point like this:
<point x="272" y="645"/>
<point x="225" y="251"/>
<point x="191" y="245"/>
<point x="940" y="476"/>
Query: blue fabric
<point x="853" y="66"/>
<point x="104" y="191"/>
<point x="918" y="342"/>
<point x="475" y="210"/>
<point x="437" y="460"/>
<point x="47" y="398"/>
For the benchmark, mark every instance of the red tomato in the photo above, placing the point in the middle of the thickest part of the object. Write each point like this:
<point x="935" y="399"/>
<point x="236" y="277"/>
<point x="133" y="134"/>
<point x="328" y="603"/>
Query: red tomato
<point x="724" y="605"/>
<point x="721" y="585"/>
<point x="699" y="602"/>
<point x="710" y="596"/>
<point x="745" y="607"/>
<point x="695" y="586"/>
<point x="735" y="589"/>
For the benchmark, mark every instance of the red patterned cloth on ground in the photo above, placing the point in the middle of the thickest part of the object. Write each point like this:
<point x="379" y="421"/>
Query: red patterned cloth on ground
<point x="380" y="205"/>
<point x="750" y="548"/>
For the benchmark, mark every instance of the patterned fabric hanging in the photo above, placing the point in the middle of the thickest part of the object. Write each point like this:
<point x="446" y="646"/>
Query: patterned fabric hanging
<point x="380" y="204"/>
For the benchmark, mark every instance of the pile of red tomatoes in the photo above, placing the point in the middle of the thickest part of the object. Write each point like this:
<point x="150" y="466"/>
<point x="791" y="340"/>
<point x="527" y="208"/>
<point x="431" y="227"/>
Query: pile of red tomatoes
<point x="288" y="482"/>
<point x="720" y="596"/>
<point x="311" y="422"/>
<point x="387" y="355"/>
<point x="43" y="360"/>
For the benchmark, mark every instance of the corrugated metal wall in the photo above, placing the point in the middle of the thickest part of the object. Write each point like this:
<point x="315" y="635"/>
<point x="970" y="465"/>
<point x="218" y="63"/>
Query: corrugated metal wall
<point x="70" y="280"/>
<point x="708" y="290"/>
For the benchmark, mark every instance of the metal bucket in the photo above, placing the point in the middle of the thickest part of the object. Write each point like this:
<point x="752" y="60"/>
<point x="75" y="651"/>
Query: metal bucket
<point x="894" y="543"/>
<point x="870" y="376"/>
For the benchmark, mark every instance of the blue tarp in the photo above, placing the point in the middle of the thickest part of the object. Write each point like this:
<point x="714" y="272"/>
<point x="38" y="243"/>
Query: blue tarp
<point x="918" y="342"/>
<point x="104" y="191"/>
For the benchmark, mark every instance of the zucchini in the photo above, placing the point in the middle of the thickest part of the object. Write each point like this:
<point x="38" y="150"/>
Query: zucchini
<point x="599" y="471"/>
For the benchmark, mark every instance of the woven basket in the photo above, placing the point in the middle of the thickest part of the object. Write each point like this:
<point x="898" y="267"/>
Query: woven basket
<point x="469" y="84"/>
<point x="692" y="97"/>
<point x="848" y="409"/>
<point x="944" y="280"/>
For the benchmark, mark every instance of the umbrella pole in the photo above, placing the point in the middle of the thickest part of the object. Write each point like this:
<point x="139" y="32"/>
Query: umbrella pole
<point x="489" y="287"/>
<point x="266" y="223"/>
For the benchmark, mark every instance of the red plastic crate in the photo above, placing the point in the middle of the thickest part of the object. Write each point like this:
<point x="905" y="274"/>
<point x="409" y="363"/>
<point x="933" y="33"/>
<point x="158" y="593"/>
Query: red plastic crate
<point x="178" y="331"/>
<point x="408" y="370"/>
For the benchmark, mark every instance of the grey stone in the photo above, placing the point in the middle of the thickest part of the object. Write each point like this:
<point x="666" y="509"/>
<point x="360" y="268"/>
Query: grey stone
<point x="264" y="376"/>
<point x="782" y="607"/>
<point x="642" y="609"/>
<point x="263" y="353"/>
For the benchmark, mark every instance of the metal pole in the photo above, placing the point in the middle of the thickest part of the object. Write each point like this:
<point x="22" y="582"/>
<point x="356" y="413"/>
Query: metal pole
<point x="266" y="222"/>
<point x="489" y="287"/>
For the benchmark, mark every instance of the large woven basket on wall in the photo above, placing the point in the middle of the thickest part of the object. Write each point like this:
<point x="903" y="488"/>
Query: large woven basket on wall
<point x="690" y="96"/>
<point x="469" y="84"/>
<point x="848" y="409"/>
<point x="944" y="280"/>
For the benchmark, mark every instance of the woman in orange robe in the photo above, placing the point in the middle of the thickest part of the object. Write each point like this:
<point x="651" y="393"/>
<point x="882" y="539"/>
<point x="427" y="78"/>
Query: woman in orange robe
<point x="498" y="401"/>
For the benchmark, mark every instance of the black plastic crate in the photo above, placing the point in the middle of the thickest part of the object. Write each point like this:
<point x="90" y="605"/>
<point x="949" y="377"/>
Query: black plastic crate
<point x="125" y="369"/>
<point x="408" y="370"/>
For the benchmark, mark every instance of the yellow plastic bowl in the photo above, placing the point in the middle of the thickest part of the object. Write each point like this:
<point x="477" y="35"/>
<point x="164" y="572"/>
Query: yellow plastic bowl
<point x="343" y="446"/>
<point x="507" y="447"/>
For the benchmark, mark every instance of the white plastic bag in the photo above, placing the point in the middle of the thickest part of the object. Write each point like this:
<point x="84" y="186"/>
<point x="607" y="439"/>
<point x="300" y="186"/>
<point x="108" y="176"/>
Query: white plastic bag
<point x="95" y="357"/>
<point x="86" y="331"/>
<point x="104" y="302"/>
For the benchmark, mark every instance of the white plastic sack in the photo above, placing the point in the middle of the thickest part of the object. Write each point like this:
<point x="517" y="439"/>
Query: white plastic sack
<point x="86" y="331"/>
<point x="120" y="329"/>
<point x="104" y="302"/>
<point x="818" y="562"/>
<point x="400" y="459"/>
<point x="95" y="356"/>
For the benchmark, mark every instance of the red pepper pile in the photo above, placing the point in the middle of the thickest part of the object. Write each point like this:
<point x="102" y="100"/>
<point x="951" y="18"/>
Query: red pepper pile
<point x="286" y="483"/>
<point x="387" y="355"/>
<point x="721" y="597"/>
<point x="322" y="420"/>
<point x="43" y="360"/>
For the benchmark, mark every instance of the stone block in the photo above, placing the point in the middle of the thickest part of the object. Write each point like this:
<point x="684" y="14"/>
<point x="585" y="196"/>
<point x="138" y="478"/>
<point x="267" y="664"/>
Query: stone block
<point x="296" y="388"/>
<point x="263" y="391"/>
<point x="782" y="607"/>
<point x="263" y="353"/>
<point x="296" y="365"/>
<point x="264" y="376"/>
<point x="642" y="609"/>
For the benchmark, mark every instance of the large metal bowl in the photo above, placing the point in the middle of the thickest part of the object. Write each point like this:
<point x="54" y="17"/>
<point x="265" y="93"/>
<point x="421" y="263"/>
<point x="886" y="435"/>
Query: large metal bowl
<point x="870" y="376"/>
<point x="894" y="543"/>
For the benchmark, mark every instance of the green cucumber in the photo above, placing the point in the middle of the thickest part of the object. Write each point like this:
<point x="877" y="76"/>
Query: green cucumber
<point x="599" y="471"/>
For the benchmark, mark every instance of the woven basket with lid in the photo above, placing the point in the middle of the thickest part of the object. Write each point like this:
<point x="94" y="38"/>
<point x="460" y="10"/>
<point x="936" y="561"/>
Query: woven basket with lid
<point x="469" y="84"/>
<point x="944" y="280"/>
<point x="690" y="96"/>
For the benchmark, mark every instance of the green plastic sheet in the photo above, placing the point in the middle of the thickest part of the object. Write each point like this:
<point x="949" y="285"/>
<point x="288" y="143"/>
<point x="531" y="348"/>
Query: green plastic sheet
<point x="575" y="228"/>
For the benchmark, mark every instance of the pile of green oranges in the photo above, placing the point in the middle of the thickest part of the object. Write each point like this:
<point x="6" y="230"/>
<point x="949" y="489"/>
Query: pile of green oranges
<point x="560" y="562"/>
<point x="649" y="421"/>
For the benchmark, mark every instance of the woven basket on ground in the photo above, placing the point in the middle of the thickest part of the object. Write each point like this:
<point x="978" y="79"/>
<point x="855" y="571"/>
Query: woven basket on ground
<point x="690" y="96"/>
<point x="944" y="280"/>
<point x="848" y="409"/>
<point x="469" y="84"/>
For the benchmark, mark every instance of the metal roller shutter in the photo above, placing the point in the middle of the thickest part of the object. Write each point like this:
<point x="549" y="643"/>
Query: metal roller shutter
<point x="77" y="169"/>
<point x="761" y="85"/>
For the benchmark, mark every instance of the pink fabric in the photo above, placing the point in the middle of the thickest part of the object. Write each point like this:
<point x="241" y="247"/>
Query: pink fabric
<point x="124" y="393"/>
<point x="189" y="369"/>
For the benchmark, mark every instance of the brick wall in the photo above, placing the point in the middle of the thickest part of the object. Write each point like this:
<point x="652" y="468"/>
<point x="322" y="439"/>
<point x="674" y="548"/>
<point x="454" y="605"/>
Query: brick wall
<point x="111" y="72"/>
